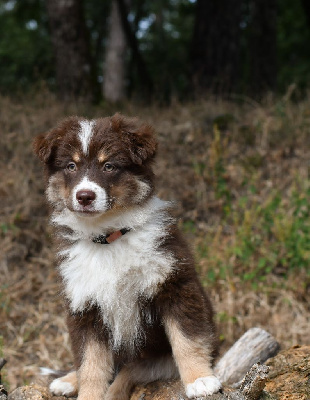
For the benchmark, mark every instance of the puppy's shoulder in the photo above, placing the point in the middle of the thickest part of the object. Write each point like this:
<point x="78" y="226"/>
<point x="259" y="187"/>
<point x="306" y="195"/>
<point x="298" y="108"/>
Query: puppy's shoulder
<point x="176" y="243"/>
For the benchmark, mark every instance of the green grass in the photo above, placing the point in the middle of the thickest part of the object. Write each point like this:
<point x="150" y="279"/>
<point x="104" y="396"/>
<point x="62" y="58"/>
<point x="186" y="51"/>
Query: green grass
<point x="260" y="235"/>
<point x="268" y="237"/>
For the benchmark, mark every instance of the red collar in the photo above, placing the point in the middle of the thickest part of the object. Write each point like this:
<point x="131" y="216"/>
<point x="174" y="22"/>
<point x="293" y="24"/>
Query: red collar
<point x="111" y="237"/>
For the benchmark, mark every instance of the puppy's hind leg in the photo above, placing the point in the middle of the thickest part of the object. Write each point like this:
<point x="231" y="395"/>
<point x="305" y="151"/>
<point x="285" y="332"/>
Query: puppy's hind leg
<point x="141" y="372"/>
<point x="67" y="385"/>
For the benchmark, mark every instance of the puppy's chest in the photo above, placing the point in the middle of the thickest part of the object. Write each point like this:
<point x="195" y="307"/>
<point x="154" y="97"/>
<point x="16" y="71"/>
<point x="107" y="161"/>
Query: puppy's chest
<point x="115" y="278"/>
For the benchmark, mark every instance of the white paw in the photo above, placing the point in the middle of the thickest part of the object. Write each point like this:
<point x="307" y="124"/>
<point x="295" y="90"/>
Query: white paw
<point x="61" y="388"/>
<point x="203" y="387"/>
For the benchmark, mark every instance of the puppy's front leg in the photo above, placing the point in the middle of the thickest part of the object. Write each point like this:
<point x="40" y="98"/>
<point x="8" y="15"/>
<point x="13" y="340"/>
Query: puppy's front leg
<point x="193" y="356"/>
<point x="95" y="371"/>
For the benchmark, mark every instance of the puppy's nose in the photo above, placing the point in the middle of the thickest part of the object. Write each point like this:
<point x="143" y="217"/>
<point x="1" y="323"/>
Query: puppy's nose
<point x="85" y="197"/>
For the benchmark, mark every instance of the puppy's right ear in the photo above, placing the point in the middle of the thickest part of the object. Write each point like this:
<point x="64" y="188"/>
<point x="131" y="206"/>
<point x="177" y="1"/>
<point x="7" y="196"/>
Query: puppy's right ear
<point x="43" y="146"/>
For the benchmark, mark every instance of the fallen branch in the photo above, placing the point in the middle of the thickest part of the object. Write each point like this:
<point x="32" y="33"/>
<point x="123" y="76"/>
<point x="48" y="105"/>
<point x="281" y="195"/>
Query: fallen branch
<point x="255" y="346"/>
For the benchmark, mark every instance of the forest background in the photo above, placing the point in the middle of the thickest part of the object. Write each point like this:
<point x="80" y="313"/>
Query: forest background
<point x="226" y="86"/>
<point x="160" y="49"/>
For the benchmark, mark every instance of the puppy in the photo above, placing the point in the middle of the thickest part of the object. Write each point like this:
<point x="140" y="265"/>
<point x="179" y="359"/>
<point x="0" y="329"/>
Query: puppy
<point x="136" y="310"/>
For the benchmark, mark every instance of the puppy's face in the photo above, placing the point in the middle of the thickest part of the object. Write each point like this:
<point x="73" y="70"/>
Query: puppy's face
<point x="94" y="167"/>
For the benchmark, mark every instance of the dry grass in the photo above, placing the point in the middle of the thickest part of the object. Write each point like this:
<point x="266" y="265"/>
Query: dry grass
<point x="211" y="155"/>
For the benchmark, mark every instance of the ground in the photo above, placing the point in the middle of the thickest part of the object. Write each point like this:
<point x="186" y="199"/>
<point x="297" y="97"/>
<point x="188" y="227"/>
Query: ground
<point x="238" y="172"/>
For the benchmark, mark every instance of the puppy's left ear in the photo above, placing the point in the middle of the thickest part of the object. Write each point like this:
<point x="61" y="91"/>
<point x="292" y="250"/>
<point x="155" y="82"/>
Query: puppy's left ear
<point x="139" y="138"/>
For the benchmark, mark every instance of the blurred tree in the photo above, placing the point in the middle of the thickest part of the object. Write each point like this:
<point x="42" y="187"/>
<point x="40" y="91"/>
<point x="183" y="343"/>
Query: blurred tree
<point x="306" y="6"/>
<point x="262" y="46"/>
<point x="215" y="47"/>
<point x="164" y="31"/>
<point x="138" y="61"/>
<point x="25" y="48"/>
<point x="114" y="85"/>
<point x="293" y="37"/>
<point x="171" y="45"/>
<point x="74" y="68"/>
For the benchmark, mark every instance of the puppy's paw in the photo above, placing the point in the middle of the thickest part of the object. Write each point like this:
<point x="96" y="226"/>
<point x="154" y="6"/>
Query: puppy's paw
<point x="61" y="387"/>
<point x="203" y="387"/>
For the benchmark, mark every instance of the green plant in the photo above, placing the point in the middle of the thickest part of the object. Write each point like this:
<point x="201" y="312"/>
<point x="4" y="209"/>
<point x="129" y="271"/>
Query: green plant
<point x="267" y="238"/>
<point x="218" y="169"/>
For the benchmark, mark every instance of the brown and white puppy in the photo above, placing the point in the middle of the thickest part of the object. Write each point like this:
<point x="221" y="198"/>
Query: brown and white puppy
<point x="136" y="310"/>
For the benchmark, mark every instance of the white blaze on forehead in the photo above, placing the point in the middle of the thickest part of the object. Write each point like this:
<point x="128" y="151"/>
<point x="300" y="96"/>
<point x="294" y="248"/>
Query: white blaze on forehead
<point x="85" y="134"/>
<point x="101" y="201"/>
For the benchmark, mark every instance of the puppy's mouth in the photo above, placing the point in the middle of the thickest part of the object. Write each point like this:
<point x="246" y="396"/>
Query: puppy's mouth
<point x="88" y="211"/>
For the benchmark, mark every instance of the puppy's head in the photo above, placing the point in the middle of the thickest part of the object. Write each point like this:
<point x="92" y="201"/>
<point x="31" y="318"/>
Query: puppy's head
<point x="97" y="166"/>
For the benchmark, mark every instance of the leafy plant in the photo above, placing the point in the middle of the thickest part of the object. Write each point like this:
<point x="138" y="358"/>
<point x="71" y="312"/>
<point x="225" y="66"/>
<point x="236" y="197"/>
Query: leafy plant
<point x="268" y="238"/>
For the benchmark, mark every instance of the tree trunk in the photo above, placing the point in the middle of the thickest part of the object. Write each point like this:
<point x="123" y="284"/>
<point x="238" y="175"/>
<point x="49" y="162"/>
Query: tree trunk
<point x="306" y="7"/>
<point x="71" y="48"/>
<point x="115" y="60"/>
<point x="146" y="84"/>
<point x="215" y="46"/>
<point x="263" y="46"/>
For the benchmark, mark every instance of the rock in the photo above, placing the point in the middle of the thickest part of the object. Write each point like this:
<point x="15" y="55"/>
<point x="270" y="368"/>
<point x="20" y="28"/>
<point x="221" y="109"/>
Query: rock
<point x="288" y="379"/>
<point x="170" y="390"/>
<point x="159" y="390"/>
<point x="289" y="376"/>
<point x="254" y="382"/>
<point x="250" y="389"/>
<point x="29" y="392"/>
<point x="33" y="392"/>
<point x="3" y="393"/>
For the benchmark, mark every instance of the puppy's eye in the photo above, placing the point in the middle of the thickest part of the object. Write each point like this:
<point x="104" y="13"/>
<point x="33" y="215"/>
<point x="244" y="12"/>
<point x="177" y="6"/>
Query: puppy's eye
<point x="108" y="167"/>
<point x="71" y="167"/>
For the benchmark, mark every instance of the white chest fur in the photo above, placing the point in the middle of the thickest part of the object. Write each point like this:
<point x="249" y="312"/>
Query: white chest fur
<point x="115" y="276"/>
